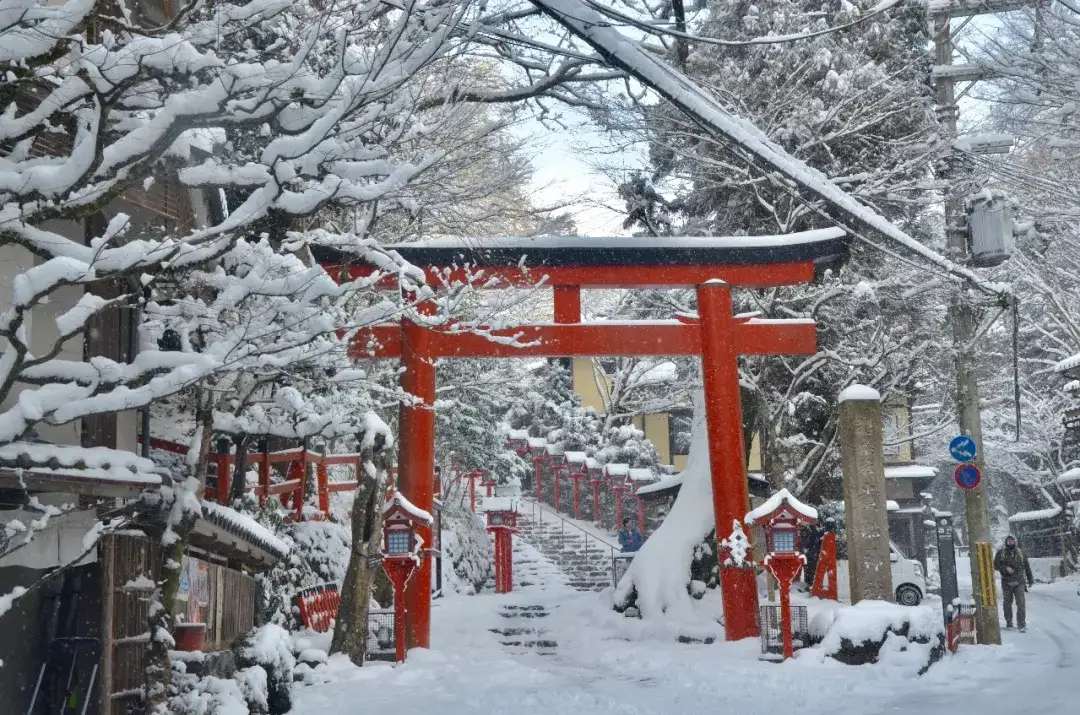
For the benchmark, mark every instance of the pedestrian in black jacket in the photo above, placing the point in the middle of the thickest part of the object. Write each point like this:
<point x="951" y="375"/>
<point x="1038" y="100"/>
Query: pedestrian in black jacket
<point x="1012" y="564"/>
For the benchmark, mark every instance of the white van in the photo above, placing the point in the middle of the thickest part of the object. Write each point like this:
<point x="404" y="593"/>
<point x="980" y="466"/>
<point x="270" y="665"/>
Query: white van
<point x="909" y="582"/>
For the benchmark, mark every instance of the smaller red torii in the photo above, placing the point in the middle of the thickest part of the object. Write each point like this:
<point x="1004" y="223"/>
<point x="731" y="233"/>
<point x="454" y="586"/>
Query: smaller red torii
<point x="712" y="266"/>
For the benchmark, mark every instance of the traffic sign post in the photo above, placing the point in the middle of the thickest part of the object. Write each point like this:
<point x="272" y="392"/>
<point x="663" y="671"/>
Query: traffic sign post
<point x="967" y="476"/>
<point x="963" y="449"/>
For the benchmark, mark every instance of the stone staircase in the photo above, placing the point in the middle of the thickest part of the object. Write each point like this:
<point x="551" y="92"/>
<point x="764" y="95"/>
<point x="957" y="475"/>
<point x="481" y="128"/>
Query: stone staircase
<point x="583" y="558"/>
<point x="524" y="631"/>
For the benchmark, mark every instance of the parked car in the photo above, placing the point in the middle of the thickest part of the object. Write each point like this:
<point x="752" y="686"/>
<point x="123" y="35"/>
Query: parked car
<point x="908" y="579"/>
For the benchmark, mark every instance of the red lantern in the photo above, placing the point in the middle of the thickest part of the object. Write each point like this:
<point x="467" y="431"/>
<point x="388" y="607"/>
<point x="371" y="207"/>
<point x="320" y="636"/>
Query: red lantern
<point x="781" y="516"/>
<point x="401" y="549"/>
<point x="502" y="513"/>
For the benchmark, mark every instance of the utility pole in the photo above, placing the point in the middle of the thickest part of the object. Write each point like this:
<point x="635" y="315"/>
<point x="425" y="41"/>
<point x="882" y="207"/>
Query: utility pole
<point x="962" y="315"/>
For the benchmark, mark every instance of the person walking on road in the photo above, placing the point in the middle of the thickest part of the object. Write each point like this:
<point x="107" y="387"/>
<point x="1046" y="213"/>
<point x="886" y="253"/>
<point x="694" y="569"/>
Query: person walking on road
<point x="1016" y="578"/>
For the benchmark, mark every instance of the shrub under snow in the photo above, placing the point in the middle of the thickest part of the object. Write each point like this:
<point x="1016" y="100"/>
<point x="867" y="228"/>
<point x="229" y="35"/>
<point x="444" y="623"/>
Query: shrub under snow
<point x="881" y="632"/>
<point x="467" y="549"/>
<point x="269" y="647"/>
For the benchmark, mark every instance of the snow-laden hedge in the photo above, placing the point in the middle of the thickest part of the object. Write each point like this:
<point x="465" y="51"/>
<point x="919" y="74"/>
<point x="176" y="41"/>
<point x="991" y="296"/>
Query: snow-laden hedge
<point x="881" y="632"/>
<point x="319" y="554"/>
<point x="467" y="551"/>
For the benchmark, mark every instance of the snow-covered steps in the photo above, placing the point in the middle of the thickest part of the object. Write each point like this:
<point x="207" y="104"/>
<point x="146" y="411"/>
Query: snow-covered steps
<point x="522" y="635"/>
<point x="585" y="560"/>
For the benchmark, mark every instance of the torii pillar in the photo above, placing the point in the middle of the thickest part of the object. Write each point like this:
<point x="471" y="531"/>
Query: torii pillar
<point x="727" y="465"/>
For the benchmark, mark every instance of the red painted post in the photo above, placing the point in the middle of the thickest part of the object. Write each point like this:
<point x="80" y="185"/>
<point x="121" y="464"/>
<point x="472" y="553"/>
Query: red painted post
<point x="640" y="513"/>
<point x="785" y="619"/>
<point x="719" y="369"/>
<point x="472" y="492"/>
<point x="223" y="478"/>
<point x="577" y="502"/>
<point x="300" y="468"/>
<point x="567" y="304"/>
<point x="555" y="476"/>
<point x="264" y="478"/>
<point x="538" y="474"/>
<point x="509" y="561"/>
<point x="595" y="500"/>
<point x="323" y="481"/>
<point x="416" y="468"/>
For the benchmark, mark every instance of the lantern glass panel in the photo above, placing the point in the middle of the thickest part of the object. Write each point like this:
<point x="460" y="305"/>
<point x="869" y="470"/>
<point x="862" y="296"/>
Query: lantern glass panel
<point x="496" y="519"/>
<point x="783" y="541"/>
<point x="397" y="542"/>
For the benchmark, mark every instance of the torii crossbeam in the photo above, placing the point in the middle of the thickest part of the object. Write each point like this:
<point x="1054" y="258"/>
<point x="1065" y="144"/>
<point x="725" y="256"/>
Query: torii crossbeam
<point x="713" y="266"/>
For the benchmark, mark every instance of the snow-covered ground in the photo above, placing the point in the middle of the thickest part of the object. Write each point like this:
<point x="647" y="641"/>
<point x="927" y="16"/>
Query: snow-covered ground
<point x="604" y="663"/>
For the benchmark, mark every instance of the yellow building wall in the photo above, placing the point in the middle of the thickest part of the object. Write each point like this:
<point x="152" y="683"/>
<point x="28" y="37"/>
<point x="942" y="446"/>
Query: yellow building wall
<point x="585" y="384"/>
<point x="655" y="427"/>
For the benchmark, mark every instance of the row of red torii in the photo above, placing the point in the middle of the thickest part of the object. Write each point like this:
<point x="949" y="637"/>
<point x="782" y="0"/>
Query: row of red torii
<point x="710" y="266"/>
<point x="620" y="479"/>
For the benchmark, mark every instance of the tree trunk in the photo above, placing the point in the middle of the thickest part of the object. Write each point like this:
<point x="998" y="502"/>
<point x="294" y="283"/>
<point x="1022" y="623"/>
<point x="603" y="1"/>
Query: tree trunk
<point x="350" y="630"/>
<point x="173" y="528"/>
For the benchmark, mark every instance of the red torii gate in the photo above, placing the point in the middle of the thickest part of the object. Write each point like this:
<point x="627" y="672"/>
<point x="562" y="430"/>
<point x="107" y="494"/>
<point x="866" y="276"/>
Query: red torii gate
<point x="713" y="266"/>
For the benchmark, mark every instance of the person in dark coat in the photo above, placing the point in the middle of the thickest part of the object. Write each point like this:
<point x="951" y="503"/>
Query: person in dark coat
<point x="630" y="538"/>
<point x="1012" y="564"/>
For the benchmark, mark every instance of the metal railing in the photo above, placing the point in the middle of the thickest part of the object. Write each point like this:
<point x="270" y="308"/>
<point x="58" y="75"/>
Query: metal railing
<point x="619" y="560"/>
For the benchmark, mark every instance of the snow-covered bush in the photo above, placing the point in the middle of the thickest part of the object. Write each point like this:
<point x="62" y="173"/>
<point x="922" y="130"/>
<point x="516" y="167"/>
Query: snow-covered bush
<point x="319" y="555"/>
<point x="467" y="550"/>
<point x="880" y="632"/>
<point x="270" y="648"/>
<point x="216" y="696"/>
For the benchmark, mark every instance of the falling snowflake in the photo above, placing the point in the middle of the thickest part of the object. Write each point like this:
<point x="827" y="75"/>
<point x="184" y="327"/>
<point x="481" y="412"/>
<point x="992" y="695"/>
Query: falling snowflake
<point x="737" y="546"/>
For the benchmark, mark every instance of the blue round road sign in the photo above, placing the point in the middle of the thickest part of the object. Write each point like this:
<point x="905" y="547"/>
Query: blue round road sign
<point x="967" y="476"/>
<point x="963" y="448"/>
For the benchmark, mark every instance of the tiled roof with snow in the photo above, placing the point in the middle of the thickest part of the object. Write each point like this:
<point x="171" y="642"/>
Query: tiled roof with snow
<point x="500" y="504"/>
<point x="245" y="527"/>
<point x="91" y="463"/>
<point x="1037" y="515"/>
<point x="910" y="471"/>
<point x="398" y="499"/>
<point x="782" y="497"/>
<point x="1068" y="363"/>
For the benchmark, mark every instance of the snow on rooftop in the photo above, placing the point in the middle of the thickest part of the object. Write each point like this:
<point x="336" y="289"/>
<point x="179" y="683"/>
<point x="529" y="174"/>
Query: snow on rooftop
<point x="1069" y="476"/>
<point x="675" y="480"/>
<point x="617" y="469"/>
<point x="859" y="392"/>
<point x="537" y="442"/>
<point x="593" y="463"/>
<point x="100" y="463"/>
<point x="518" y="434"/>
<point x="555" y="450"/>
<point x="1068" y="363"/>
<point x="1072" y="386"/>
<point x="1037" y="515"/>
<point x="246" y="526"/>
<point x="575" y="457"/>
<point x="398" y="499"/>
<point x="775" y="502"/>
<point x="641" y="474"/>
<point x="526" y="243"/>
<point x="910" y="471"/>
<point x="500" y="504"/>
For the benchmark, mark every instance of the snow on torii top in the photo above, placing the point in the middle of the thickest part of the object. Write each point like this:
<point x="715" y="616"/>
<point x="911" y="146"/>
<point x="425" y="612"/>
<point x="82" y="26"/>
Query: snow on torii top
<point x="781" y="498"/>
